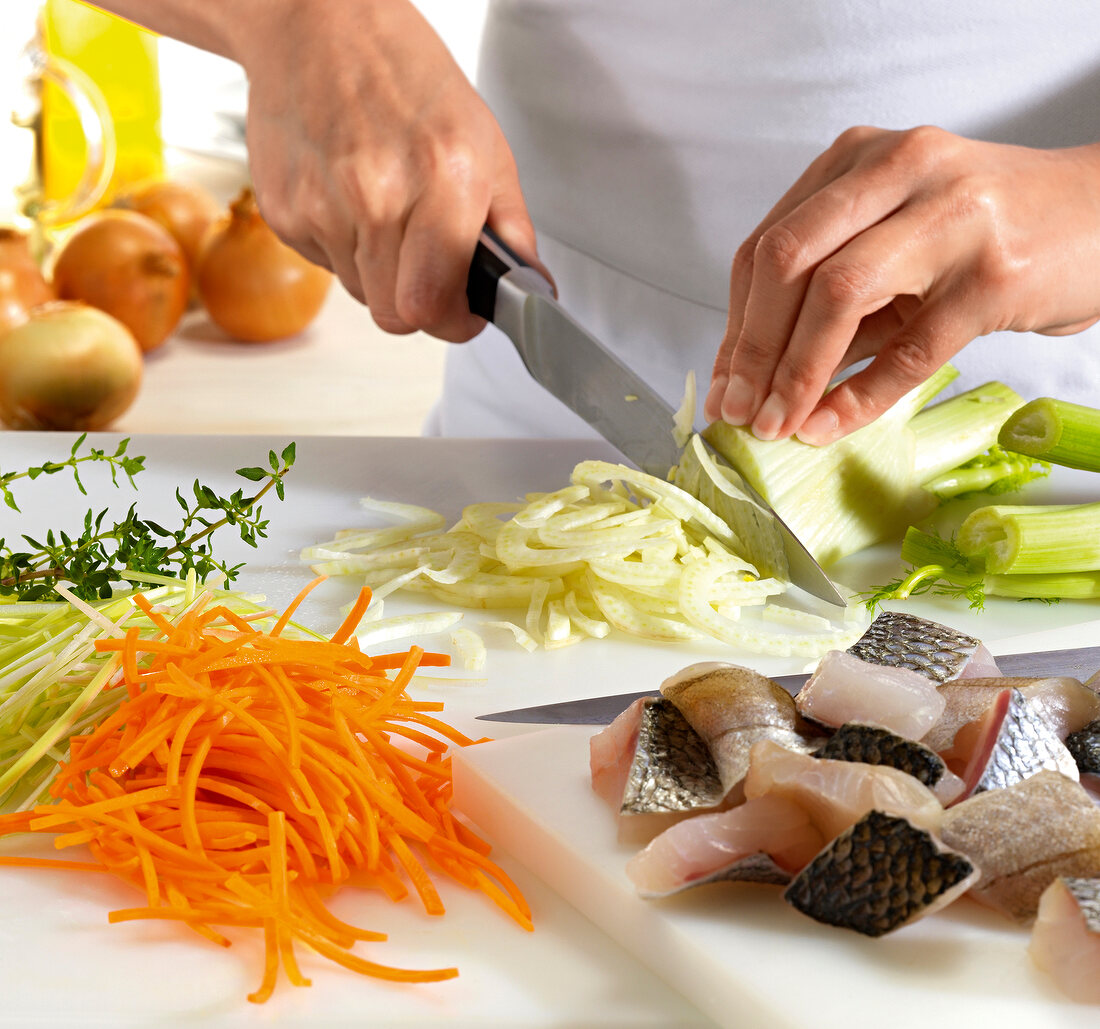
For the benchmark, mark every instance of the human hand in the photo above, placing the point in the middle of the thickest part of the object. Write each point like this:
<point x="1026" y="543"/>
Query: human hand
<point x="372" y="155"/>
<point x="904" y="247"/>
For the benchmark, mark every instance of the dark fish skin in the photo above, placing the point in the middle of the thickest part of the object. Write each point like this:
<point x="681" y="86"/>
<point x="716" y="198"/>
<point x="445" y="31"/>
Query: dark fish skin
<point x="1025" y="744"/>
<point x="907" y="641"/>
<point x="1086" y="892"/>
<point x="873" y="745"/>
<point x="1084" y="745"/>
<point x="876" y="876"/>
<point x="672" y="769"/>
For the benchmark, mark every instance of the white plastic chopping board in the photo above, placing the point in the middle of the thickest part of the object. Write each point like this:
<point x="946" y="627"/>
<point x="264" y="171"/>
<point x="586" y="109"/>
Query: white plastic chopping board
<point x="737" y="950"/>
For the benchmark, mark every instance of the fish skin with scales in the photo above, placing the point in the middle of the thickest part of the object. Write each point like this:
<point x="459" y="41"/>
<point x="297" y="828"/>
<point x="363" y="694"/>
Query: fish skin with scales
<point x="672" y="769"/>
<point x="878" y="875"/>
<point x="1084" y="745"/>
<point x="908" y="641"/>
<point x="873" y="745"/>
<point x="1025" y="745"/>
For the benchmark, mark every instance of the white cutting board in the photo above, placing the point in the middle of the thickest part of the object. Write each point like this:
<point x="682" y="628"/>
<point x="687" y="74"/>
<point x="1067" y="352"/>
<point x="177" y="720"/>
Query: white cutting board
<point x="737" y="950"/>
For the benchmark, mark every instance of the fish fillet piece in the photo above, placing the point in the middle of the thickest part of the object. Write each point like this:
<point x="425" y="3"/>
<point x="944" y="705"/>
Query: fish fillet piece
<point x="1064" y="702"/>
<point x="762" y="840"/>
<point x="873" y="745"/>
<point x="934" y="650"/>
<point x="611" y="751"/>
<point x="1009" y="743"/>
<point x="845" y="688"/>
<point x="1084" y="745"/>
<point x="732" y="708"/>
<point x="837" y="794"/>
<point x="652" y="768"/>
<point x="1024" y="837"/>
<point x="879" y="875"/>
<point x="1065" y="940"/>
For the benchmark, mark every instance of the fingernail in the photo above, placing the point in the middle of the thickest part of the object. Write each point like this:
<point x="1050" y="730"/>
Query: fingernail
<point x="769" y="419"/>
<point x="737" y="401"/>
<point x="712" y="406"/>
<point x="820" y="428"/>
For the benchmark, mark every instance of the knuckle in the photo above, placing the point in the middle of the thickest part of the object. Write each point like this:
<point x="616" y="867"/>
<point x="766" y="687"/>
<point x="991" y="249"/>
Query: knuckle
<point x="422" y="302"/>
<point x="796" y="378"/>
<point x="375" y="194"/>
<point x="744" y="257"/>
<point x="751" y="352"/>
<point x="781" y="252"/>
<point x="922" y="145"/>
<point x="855" y="137"/>
<point x="388" y="321"/>
<point x="457" y="161"/>
<point x="909" y="356"/>
<point x="842" y="284"/>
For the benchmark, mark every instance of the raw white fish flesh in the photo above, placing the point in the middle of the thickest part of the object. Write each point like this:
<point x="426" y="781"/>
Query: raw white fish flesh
<point x="836" y="794"/>
<point x="702" y="848"/>
<point x="845" y="688"/>
<point x="1065" y="940"/>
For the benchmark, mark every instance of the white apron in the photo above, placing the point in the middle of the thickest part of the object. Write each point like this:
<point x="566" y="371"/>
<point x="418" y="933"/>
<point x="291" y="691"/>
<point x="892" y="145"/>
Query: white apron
<point x="652" y="136"/>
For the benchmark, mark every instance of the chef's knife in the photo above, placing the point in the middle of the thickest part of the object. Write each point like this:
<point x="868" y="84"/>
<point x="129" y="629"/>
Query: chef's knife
<point x="590" y="380"/>
<point x="1078" y="662"/>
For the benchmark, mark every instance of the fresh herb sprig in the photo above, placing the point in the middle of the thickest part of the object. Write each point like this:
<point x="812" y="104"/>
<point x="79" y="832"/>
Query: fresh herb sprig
<point x="96" y="559"/>
<point x="119" y="461"/>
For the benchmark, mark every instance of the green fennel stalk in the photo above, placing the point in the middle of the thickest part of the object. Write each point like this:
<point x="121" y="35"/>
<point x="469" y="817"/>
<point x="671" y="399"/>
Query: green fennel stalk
<point x="1056" y="431"/>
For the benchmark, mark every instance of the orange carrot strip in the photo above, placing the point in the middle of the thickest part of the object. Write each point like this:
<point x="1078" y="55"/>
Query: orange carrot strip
<point x="285" y="617"/>
<point x="49" y="816"/>
<point x="187" y="800"/>
<point x="321" y="913"/>
<point x="355" y="616"/>
<point x="12" y="861"/>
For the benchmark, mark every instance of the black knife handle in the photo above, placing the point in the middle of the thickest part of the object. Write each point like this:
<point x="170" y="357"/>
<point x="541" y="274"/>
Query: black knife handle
<point x="492" y="259"/>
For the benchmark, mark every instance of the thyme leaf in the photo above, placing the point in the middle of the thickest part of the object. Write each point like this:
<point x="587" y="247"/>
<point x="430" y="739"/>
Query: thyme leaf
<point x="94" y="561"/>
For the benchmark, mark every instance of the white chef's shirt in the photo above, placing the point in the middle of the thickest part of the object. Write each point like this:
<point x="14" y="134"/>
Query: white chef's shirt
<point x="652" y="136"/>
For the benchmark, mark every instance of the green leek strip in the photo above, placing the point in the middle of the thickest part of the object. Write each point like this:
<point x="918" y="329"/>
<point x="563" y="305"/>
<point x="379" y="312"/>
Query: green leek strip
<point x="1057" y="431"/>
<point x="1040" y="539"/>
<point x="955" y="430"/>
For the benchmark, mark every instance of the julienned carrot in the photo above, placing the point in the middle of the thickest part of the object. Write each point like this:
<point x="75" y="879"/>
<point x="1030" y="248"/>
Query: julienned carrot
<point x="247" y="772"/>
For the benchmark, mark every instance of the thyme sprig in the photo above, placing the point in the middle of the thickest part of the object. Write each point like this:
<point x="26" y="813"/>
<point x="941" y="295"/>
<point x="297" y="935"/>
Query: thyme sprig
<point x="93" y="561"/>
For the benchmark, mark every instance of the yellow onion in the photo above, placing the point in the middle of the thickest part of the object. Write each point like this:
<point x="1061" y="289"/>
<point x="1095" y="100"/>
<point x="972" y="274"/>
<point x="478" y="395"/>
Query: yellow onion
<point x="69" y="366"/>
<point x="252" y="284"/>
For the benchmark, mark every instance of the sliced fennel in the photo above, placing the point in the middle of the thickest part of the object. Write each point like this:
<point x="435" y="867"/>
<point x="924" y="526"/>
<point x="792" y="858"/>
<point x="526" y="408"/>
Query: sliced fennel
<point x="614" y="549"/>
<point x="867" y="487"/>
<point x="1057" y="431"/>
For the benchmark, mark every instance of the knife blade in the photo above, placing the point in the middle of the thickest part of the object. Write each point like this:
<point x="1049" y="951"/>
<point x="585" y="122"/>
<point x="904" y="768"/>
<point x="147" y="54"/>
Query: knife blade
<point x="581" y="372"/>
<point x="1079" y="662"/>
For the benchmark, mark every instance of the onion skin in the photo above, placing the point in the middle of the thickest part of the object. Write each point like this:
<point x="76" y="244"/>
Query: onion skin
<point x="69" y="366"/>
<point x="129" y="266"/>
<point x="252" y="284"/>
<point x="22" y="284"/>
<point x="185" y="210"/>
